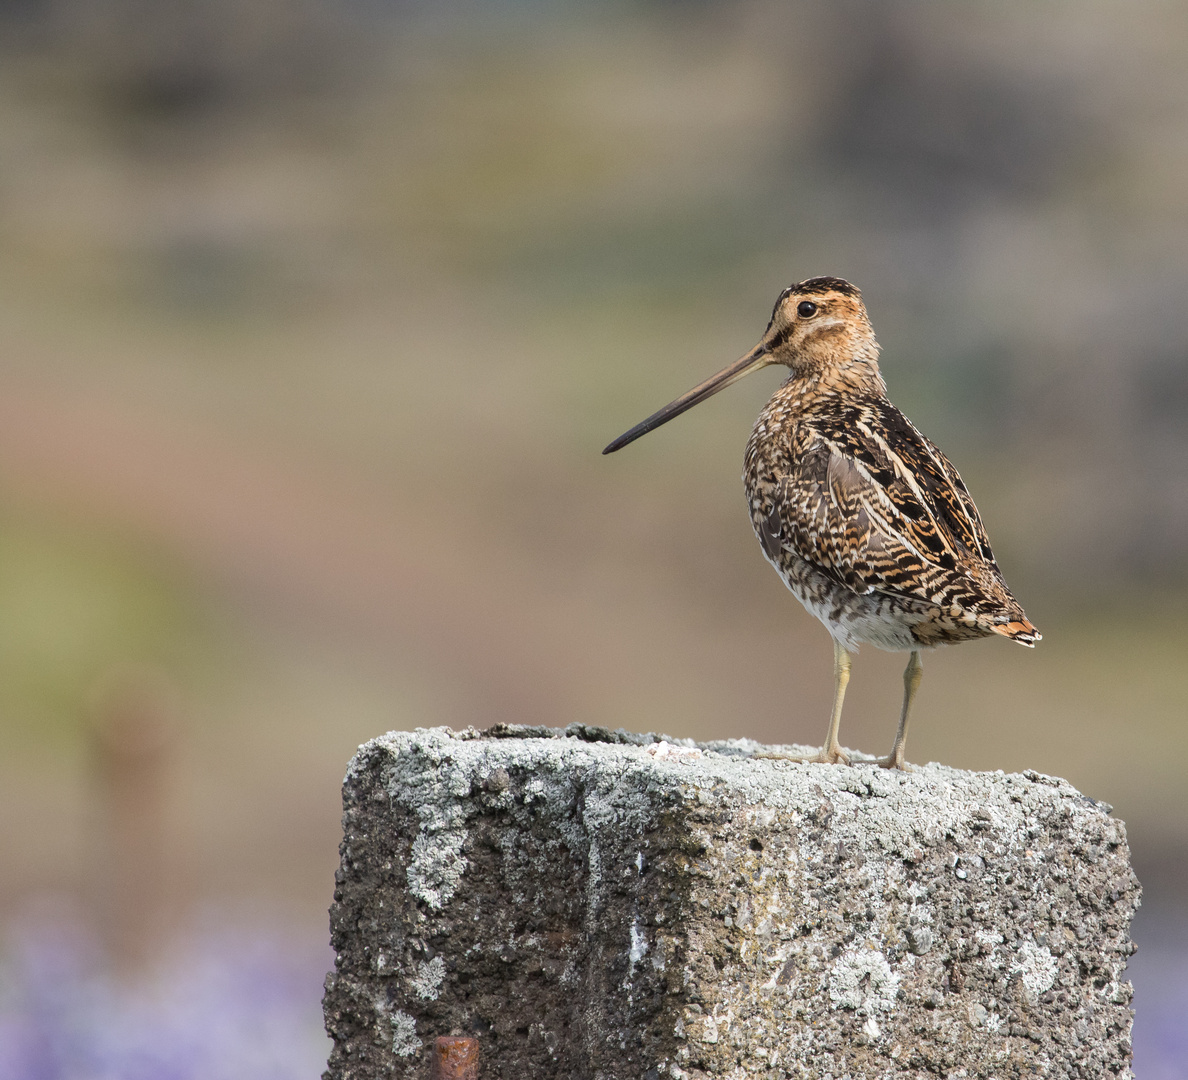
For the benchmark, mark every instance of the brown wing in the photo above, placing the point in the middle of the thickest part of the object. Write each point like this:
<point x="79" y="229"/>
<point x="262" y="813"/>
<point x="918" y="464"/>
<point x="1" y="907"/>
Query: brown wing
<point x="875" y="505"/>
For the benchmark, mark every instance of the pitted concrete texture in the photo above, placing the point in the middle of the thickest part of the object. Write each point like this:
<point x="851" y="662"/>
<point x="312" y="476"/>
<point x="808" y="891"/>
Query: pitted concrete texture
<point x="608" y="906"/>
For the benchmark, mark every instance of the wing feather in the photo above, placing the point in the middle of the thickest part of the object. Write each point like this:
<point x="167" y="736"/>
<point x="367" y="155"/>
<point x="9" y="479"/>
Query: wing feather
<point x="875" y="505"/>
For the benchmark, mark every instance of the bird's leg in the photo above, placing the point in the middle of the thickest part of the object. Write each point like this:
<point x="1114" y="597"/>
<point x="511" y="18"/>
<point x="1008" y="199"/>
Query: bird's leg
<point x="831" y="753"/>
<point x="911" y="683"/>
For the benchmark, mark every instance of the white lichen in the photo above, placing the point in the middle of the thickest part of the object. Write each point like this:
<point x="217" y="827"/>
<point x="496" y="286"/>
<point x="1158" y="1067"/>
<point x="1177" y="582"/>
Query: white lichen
<point x="436" y="866"/>
<point x="1036" y="966"/>
<point x="862" y="979"/>
<point x="404" y="1035"/>
<point x="426" y="983"/>
<point x="433" y="773"/>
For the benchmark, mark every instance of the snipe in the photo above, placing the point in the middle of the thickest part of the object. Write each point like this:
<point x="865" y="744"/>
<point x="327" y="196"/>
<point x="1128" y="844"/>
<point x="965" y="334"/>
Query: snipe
<point x="864" y="518"/>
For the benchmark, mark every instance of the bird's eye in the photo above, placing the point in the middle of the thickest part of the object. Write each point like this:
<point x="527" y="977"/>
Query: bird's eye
<point x="806" y="308"/>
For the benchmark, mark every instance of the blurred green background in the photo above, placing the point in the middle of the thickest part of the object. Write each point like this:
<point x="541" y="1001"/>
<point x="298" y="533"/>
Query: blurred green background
<point x="316" y="317"/>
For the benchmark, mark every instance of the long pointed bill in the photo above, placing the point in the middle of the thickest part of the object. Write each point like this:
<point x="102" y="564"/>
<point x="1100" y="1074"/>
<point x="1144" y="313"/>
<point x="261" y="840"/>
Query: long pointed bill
<point x="754" y="359"/>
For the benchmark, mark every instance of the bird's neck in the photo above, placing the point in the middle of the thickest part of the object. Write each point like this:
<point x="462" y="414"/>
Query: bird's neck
<point x="856" y="375"/>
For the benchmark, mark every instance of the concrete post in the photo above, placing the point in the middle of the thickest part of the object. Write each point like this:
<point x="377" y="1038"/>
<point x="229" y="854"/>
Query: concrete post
<point x="609" y="906"/>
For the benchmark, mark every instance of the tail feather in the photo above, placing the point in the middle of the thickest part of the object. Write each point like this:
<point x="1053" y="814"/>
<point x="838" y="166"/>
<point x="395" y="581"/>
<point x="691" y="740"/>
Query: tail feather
<point x="1019" y="630"/>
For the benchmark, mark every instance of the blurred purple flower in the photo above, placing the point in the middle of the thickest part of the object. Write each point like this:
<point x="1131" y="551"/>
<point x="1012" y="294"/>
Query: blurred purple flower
<point x="221" y="1005"/>
<point x="1159" y="972"/>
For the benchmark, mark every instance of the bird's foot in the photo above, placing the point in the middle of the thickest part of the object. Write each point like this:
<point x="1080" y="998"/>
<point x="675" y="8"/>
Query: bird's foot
<point x="824" y="756"/>
<point x="830" y="756"/>
<point x="893" y="761"/>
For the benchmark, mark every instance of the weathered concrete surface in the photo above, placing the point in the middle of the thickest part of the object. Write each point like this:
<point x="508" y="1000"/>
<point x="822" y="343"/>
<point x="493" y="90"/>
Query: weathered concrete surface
<point x="608" y="906"/>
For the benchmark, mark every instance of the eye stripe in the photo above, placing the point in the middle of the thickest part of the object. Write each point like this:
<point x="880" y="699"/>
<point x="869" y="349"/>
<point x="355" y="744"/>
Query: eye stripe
<point x="780" y="338"/>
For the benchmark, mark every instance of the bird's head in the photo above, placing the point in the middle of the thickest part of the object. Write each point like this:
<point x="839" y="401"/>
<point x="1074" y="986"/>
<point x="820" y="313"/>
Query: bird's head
<point x="817" y="327"/>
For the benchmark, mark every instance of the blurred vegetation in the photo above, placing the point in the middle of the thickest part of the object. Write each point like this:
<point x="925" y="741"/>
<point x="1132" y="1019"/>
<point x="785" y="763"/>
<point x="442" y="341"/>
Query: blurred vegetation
<point x="326" y="309"/>
<point x="74" y="606"/>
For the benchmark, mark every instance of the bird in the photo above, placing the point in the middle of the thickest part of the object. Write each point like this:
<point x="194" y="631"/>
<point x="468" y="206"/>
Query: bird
<point x="867" y="522"/>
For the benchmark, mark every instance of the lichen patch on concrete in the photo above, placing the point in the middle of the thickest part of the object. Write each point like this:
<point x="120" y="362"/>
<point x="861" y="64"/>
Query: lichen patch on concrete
<point x="426" y="983"/>
<point x="1036" y="967"/>
<point x="436" y="865"/>
<point x="862" y="980"/>
<point x="403" y="1030"/>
